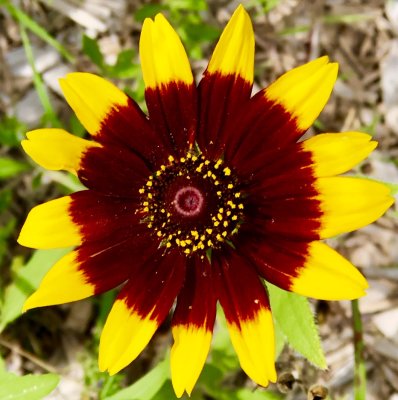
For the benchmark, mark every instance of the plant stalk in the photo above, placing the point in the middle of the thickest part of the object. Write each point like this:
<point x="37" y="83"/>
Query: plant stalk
<point x="360" y="369"/>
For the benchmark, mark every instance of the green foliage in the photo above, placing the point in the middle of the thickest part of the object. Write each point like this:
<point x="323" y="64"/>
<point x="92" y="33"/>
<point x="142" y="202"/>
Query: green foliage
<point x="11" y="131"/>
<point x="25" y="280"/>
<point x="28" y="387"/>
<point x="147" y="387"/>
<point x="295" y="318"/>
<point x="124" y="67"/>
<point x="50" y="116"/>
<point x="6" y="230"/>
<point x="186" y="17"/>
<point x="10" y="167"/>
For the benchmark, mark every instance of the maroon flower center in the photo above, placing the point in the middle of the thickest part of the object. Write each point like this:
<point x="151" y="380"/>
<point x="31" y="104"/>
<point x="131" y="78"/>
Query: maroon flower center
<point x="193" y="204"/>
<point x="188" y="201"/>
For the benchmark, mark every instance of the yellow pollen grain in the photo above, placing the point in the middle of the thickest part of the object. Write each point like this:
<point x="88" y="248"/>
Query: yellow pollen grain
<point x="219" y="238"/>
<point x="182" y="159"/>
<point x="230" y="186"/>
<point x="150" y="196"/>
<point x="203" y="237"/>
<point x="141" y="191"/>
<point x="188" y="241"/>
<point x="209" y="173"/>
<point x="159" y="233"/>
<point x="225" y="233"/>
<point x="209" y="243"/>
<point x="240" y="206"/>
<point x="219" y="193"/>
<point x="221" y="210"/>
<point x="182" y="243"/>
<point x="225" y="224"/>
<point x="146" y="209"/>
<point x="145" y="203"/>
<point x="194" y="248"/>
<point x="234" y="218"/>
<point x="187" y="251"/>
<point x="227" y="171"/>
<point x="219" y="216"/>
<point x="237" y="195"/>
<point x="177" y="241"/>
<point x="162" y="210"/>
<point x="216" y="183"/>
<point x="194" y="158"/>
<point x="171" y="158"/>
<point x="149" y="183"/>
<point x="207" y="162"/>
<point x="162" y="167"/>
<point x="158" y="173"/>
<point x="168" y="244"/>
<point x="195" y="234"/>
<point x="228" y="213"/>
<point x="209" y="231"/>
<point x="216" y="223"/>
<point x="149" y="225"/>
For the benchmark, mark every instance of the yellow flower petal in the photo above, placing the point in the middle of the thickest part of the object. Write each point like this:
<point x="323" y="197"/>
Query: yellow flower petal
<point x="50" y="226"/>
<point x="124" y="336"/>
<point x="336" y="153"/>
<point x="56" y="149"/>
<point x="163" y="57"/>
<point x="188" y="356"/>
<point x="350" y="203"/>
<point x="92" y="98"/>
<point x="304" y="90"/>
<point x="63" y="283"/>
<point x="254" y="344"/>
<point x="234" y="53"/>
<point x="329" y="276"/>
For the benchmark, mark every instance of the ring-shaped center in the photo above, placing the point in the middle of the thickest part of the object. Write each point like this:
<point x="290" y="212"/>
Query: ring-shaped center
<point x="188" y="201"/>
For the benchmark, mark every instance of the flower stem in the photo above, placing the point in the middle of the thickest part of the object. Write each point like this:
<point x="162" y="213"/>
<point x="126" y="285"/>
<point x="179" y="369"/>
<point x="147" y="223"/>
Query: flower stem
<point x="360" y="370"/>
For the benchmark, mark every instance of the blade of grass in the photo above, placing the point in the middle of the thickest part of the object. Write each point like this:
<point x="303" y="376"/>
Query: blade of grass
<point x="360" y="369"/>
<point x="28" y="23"/>
<point x="49" y="113"/>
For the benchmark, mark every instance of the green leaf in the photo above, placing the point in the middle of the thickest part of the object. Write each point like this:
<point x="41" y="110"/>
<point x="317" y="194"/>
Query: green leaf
<point x="25" y="281"/>
<point x="11" y="131"/>
<point x="393" y="187"/>
<point x="28" y="387"/>
<point x="92" y="50"/>
<point x="295" y="318"/>
<point x="50" y="115"/>
<point x="124" y="66"/>
<point x="146" y="387"/>
<point x="10" y="167"/>
<point x="258" y="394"/>
<point x="223" y="355"/>
<point x="148" y="11"/>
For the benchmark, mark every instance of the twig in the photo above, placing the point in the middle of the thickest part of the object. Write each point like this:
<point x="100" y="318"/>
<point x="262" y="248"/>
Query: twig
<point x="360" y="370"/>
<point x="16" y="348"/>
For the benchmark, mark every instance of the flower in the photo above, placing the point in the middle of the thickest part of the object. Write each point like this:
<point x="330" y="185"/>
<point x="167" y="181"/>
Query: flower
<point x="200" y="200"/>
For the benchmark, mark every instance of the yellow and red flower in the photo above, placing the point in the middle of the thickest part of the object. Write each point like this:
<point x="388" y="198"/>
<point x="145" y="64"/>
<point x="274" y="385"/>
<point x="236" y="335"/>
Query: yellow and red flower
<point x="200" y="200"/>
